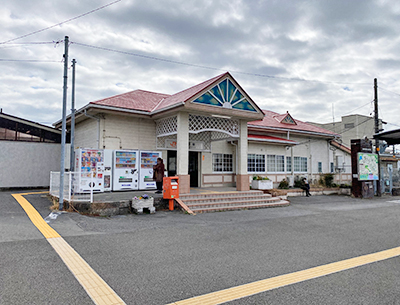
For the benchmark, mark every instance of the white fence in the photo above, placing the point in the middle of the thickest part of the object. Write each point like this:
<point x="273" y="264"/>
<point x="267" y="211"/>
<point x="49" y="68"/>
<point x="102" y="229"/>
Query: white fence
<point x="71" y="187"/>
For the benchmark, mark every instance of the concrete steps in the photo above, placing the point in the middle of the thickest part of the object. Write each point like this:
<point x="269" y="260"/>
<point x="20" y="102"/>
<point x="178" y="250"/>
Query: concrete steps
<point x="227" y="201"/>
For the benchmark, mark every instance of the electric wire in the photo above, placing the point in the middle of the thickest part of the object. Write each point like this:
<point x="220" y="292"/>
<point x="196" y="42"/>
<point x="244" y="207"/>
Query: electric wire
<point x="29" y="60"/>
<point x="60" y="23"/>
<point x="210" y="68"/>
<point x="389" y="91"/>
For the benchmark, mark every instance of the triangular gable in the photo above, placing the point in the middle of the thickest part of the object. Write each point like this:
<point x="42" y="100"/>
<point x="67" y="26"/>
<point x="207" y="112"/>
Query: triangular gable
<point x="286" y="119"/>
<point x="226" y="94"/>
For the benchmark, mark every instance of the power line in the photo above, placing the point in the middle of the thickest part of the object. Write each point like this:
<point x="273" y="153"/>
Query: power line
<point x="68" y="20"/>
<point x="29" y="60"/>
<point x="211" y="68"/>
<point x="389" y="91"/>
<point x="359" y="107"/>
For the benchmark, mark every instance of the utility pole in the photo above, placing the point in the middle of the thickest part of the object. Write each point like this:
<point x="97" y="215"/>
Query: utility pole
<point x="72" y="159"/>
<point x="64" y="125"/>
<point x="378" y="186"/>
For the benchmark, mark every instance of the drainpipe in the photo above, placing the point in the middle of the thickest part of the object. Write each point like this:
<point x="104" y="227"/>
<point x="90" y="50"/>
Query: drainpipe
<point x="236" y="156"/>
<point x="98" y="127"/>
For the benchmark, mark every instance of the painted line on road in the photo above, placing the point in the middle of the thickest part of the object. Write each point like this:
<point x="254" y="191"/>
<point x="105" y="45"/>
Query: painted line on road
<point x="247" y="290"/>
<point x="98" y="290"/>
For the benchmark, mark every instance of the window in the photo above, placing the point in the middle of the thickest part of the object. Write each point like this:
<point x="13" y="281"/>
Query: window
<point x="255" y="163"/>
<point x="288" y="164"/>
<point x="275" y="163"/>
<point x="319" y="167"/>
<point x="349" y="125"/>
<point x="332" y="167"/>
<point x="222" y="162"/>
<point x="300" y="164"/>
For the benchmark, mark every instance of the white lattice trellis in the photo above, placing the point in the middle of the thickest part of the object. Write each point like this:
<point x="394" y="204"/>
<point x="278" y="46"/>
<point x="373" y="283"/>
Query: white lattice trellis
<point x="167" y="126"/>
<point x="162" y="141"/>
<point x="204" y="137"/>
<point x="218" y="136"/>
<point x="198" y="123"/>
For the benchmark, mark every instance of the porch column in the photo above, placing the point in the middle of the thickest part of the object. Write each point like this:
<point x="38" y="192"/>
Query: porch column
<point x="182" y="154"/>
<point x="242" y="178"/>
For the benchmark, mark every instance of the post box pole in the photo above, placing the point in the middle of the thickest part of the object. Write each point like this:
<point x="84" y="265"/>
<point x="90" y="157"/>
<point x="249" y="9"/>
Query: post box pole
<point x="171" y="204"/>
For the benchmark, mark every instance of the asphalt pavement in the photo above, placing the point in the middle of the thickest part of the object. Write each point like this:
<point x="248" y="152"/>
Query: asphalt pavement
<point x="170" y="256"/>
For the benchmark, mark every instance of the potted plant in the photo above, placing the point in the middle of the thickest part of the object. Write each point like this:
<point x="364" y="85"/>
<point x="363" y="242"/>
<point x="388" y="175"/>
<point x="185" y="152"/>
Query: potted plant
<point x="261" y="183"/>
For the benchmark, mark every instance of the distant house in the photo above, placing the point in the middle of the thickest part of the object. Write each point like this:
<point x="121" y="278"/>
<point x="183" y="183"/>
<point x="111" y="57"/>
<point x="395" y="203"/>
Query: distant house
<point x="29" y="151"/>
<point x="211" y="134"/>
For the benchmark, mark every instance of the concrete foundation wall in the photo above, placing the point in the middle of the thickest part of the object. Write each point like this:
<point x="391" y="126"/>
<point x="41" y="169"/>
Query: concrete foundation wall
<point x="28" y="164"/>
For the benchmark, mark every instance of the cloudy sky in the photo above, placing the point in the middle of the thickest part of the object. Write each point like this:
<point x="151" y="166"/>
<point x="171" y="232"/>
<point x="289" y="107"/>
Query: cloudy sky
<point x="316" y="59"/>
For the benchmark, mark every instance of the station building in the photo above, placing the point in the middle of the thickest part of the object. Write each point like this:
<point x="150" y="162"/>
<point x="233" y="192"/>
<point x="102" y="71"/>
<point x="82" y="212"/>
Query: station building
<point x="211" y="134"/>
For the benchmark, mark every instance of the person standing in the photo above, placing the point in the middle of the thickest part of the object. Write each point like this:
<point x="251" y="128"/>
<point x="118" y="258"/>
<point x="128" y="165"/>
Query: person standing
<point x="158" y="174"/>
<point x="306" y="186"/>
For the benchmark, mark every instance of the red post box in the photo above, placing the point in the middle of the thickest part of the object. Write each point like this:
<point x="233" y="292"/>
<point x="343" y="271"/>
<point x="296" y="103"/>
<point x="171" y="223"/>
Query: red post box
<point x="171" y="190"/>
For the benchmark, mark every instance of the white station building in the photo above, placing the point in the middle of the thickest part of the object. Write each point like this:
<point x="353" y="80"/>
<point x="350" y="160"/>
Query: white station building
<point x="212" y="134"/>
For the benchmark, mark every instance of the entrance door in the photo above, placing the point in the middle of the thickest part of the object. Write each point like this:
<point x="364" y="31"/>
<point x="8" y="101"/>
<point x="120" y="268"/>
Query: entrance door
<point x="171" y="163"/>
<point x="194" y="168"/>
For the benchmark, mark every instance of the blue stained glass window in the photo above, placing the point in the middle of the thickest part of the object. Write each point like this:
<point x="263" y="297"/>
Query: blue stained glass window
<point x="231" y="90"/>
<point x="222" y="85"/>
<point x="217" y="93"/>
<point x="244" y="105"/>
<point x="222" y="94"/>
<point x="238" y="96"/>
<point x="208" y="99"/>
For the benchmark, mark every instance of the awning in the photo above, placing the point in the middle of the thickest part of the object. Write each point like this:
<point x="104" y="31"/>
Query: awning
<point x="270" y="139"/>
<point x="391" y="137"/>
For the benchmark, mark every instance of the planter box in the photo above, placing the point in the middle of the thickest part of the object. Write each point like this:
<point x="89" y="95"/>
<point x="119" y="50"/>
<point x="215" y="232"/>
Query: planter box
<point x="262" y="184"/>
<point x="139" y="204"/>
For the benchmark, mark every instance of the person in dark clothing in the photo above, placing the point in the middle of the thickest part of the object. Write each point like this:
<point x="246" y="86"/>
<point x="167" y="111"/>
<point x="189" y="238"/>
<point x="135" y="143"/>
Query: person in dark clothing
<point x="305" y="186"/>
<point x="158" y="174"/>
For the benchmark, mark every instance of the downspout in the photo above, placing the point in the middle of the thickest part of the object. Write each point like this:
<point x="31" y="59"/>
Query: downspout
<point x="98" y="127"/>
<point x="236" y="156"/>
<point x="292" y="162"/>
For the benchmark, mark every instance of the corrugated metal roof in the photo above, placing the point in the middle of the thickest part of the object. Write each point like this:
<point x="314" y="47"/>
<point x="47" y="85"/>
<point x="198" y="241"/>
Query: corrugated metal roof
<point x="272" y="120"/>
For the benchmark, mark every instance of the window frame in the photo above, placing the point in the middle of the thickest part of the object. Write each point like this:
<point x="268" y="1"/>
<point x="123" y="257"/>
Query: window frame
<point x="258" y="163"/>
<point x="226" y="163"/>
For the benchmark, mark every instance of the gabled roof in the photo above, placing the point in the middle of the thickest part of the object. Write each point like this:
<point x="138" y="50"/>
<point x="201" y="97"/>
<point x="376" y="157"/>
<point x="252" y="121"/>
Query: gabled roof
<point x="271" y="121"/>
<point x="285" y="118"/>
<point x="182" y="96"/>
<point x="136" y="100"/>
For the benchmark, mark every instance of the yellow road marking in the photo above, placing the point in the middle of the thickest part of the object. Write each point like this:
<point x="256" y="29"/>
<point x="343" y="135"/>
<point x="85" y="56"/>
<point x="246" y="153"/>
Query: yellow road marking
<point x="35" y="217"/>
<point x="246" y="290"/>
<point x="98" y="290"/>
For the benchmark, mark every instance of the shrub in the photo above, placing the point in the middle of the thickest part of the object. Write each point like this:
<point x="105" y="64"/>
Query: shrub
<point x="283" y="184"/>
<point x="328" y="180"/>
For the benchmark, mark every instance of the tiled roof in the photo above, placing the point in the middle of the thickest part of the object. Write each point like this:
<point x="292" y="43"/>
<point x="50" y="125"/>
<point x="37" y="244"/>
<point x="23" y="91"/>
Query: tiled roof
<point x="341" y="147"/>
<point x="270" y="139"/>
<point x="271" y="119"/>
<point x="151" y="101"/>
<point x="135" y="100"/>
<point x="186" y="94"/>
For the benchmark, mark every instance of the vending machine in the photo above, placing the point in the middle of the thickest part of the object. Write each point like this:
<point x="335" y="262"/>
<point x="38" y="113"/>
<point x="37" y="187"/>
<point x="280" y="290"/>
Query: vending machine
<point x="89" y="163"/>
<point x="125" y="170"/>
<point x="147" y="160"/>
<point x="108" y="167"/>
